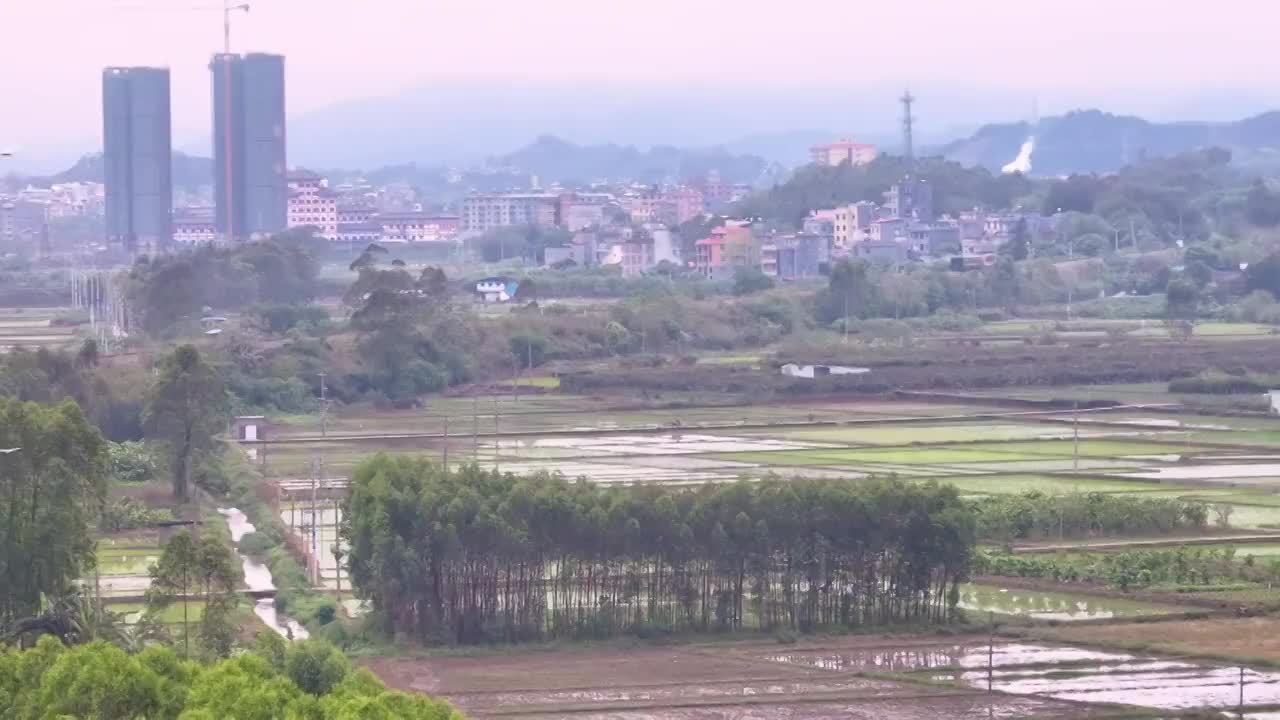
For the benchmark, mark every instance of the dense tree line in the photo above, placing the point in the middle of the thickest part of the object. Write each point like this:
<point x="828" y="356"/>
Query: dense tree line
<point x="528" y="242"/>
<point x="171" y="290"/>
<point x="53" y="472"/>
<point x="857" y="289"/>
<point x="309" y="680"/>
<point x="113" y="401"/>
<point x="955" y="188"/>
<point x="471" y="555"/>
<point x="1034" y="514"/>
<point x="1174" y="567"/>
<point x="412" y="339"/>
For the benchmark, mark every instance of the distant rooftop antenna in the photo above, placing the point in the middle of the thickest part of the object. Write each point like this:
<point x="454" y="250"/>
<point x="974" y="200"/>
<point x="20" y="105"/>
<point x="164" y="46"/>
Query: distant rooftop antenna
<point x="908" y="148"/>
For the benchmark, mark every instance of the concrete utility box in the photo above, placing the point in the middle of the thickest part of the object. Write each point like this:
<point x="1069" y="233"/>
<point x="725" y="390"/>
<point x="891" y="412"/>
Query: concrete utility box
<point x="1275" y="401"/>
<point x="251" y="428"/>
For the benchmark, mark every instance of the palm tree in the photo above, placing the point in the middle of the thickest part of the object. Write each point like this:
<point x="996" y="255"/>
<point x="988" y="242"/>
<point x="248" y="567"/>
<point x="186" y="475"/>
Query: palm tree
<point x="74" y="617"/>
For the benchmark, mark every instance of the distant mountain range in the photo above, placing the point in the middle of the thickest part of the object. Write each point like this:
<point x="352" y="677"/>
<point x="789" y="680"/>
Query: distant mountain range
<point x="189" y="172"/>
<point x="554" y="159"/>
<point x="1085" y="141"/>
<point x="1092" y="141"/>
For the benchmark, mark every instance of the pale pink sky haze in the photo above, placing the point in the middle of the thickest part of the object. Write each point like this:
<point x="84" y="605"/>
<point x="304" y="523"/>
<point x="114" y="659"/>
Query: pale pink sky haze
<point x="1159" y="57"/>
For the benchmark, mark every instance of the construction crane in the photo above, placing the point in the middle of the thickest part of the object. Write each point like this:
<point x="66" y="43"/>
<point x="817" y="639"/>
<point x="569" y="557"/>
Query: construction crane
<point x="227" y="9"/>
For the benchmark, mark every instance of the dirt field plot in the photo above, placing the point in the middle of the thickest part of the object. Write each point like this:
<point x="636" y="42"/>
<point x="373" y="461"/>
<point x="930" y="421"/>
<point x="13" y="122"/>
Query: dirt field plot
<point x="687" y="683"/>
<point x="957" y="706"/>
<point x="1235" y="637"/>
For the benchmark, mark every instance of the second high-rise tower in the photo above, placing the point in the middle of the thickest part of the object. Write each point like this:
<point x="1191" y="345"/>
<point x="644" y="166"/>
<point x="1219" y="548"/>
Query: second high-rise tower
<point x="249" y="152"/>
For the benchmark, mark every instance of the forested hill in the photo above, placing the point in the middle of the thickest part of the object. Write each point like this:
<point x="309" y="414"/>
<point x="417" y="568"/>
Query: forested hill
<point x="955" y="188"/>
<point x="554" y="159"/>
<point x="1091" y="141"/>
<point x="189" y="172"/>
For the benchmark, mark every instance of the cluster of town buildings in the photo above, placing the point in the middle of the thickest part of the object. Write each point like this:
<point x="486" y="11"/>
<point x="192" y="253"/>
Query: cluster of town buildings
<point x="903" y="228"/>
<point x="25" y="214"/>
<point x="629" y="226"/>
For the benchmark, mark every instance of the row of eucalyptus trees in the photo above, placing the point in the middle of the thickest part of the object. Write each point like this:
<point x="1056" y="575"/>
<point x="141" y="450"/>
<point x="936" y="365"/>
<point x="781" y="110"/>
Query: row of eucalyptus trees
<point x="472" y="555"/>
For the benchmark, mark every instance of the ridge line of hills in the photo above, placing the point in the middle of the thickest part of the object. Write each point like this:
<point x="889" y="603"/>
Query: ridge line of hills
<point x="1079" y="142"/>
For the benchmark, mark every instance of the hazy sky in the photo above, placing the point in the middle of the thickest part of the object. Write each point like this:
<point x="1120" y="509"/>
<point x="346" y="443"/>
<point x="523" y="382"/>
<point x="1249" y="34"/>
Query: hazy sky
<point x="1163" y="58"/>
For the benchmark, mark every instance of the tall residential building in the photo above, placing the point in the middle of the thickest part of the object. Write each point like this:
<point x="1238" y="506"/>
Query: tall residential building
<point x="137" y="158"/>
<point x="251" y="192"/>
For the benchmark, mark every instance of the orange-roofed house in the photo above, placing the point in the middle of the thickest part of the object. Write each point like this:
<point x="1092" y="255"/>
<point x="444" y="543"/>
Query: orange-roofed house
<point x="843" y="151"/>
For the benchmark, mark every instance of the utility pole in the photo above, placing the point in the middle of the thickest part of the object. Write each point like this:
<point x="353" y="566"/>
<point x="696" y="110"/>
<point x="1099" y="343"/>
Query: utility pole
<point x="324" y="404"/>
<point x="475" y="428"/>
<point x="337" y="550"/>
<point x="846" y="316"/>
<point x="315" y="557"/>
<point x="1240" y="705"/>
<point x="496" y="437"/>
<point x="1075" y="437"/>
<point x="317" y="477"/>
<point x="991" y="650"/>
<point x="446" y="446"/>
<point x="908" y="145"/>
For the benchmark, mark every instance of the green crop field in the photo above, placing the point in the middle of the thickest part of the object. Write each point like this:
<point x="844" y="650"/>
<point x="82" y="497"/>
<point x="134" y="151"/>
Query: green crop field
<point x="550" y="383"/>
<point x="1092" y="448"/>
<point x="170" y="615"/>
<point x="1209" y="329"/>
<point x="729" y="359"/>
<point x="1053" y="484"/>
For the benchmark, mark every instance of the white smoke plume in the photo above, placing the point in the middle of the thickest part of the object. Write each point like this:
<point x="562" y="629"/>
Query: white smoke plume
<point x="1022" y="163"/>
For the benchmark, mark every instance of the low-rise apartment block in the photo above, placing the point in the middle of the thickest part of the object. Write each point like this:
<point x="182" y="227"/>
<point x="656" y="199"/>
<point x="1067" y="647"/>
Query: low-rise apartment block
<point x="312" y="204"/>
<point x="842" y="151"/>
<point x="194" y="225"/>
<point x="412" y="227"/>
<point x="483" y="212"/>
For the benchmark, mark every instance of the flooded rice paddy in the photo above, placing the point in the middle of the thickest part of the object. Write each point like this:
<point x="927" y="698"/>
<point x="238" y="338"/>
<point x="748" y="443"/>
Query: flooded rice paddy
<point x="1061" y="673"/>
<point x="1060" y="606"/>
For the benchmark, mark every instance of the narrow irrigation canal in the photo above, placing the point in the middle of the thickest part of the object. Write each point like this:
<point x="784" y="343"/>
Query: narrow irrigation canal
<point x="257" y="577"/>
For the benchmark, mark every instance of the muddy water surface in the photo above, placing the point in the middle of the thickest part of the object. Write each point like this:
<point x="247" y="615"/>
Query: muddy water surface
<point x="1043" y="605"/>
<point x="258" y="577"/>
